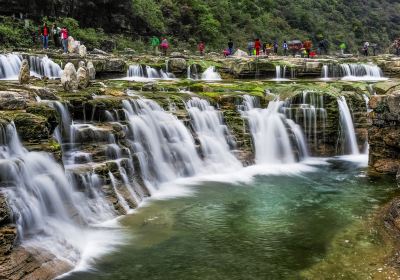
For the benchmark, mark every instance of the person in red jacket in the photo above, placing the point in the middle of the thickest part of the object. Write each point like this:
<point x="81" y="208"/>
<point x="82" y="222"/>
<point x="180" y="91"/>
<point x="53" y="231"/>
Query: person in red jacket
<point x="201" y="48"/>
<point x="44" y="32"/>
<point x="257" y="46"/>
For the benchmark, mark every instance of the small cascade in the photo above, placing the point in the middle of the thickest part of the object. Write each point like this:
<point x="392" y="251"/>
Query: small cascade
<point x="366" y="99"/>
<point x="308" y="111"/>
<point x="277" y="140"/>
<point x="280" y="73"/>
<point x="346" y="123"/>
<point x="49" y="211"/>
<point x="140" y="72"/>
<point x="164" y="147"/>
<point x="44" y="67"/>
<point x="9" y="66"/>
<point x="211" y="74"/>
<point x="353" y="71"/>
<point x="192" y="72"/>
<point x="215" y="140"/>
<point x="325" y="72"/>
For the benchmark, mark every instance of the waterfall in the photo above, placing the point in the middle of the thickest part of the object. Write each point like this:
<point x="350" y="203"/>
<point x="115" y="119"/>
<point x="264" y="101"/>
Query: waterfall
<point x="44" y="67"/>
<point x="346" y="123"/>
<point x="9" y="66"/>
<point x="325" y="72"/>
<point x="192" y="72"/>
<point x="143" y="73"/>
<point x="280" y="73"/>
<point x="49" y="211"/>
<point x="276" y="139"/>
<point x="308" y="111"/>
<point x="213" y="134"/>
<point x="352" y="71"/>
<point x="164" y="147"/>
<point x="211" y="74"/>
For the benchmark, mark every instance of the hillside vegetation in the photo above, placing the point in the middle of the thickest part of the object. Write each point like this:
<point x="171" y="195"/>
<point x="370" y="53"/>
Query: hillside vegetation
<point x="186" y="22"/>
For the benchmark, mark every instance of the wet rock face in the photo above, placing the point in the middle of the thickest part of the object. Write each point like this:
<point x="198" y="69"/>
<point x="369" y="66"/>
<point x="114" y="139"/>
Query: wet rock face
<point x="24" y="73"/>
<point x="384" y="134"/>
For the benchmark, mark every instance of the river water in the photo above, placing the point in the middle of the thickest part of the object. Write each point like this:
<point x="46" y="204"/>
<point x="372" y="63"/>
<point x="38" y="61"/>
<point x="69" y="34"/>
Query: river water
<point x="308" y="225"/>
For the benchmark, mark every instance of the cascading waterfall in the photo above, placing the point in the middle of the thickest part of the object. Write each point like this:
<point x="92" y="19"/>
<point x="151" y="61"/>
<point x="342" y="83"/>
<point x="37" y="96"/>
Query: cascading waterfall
<point x="73" y="137"/>
<point x="308" y="112"/>
<point x="163" y="145"/>
<point x="346" y="123"/>
<point x="140" y="72"/>
<point x="353" y="71"/>
<point x="44" y="67"/>
<point x="280" y="73"/>
<point x="215" y="140"/>
<point x="276" y="139"/>
<point x="49" y="211"/>
<point x="211" y="74"/>
<point x="9" y="66"/>
<point x="325" y="72"/>
<point x="192" y="72"/>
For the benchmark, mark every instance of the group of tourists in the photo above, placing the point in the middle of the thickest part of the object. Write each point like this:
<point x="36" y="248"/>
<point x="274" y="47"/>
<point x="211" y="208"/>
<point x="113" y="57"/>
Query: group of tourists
<point x="159" y="45"/>
<point x="58" y="35"/>
<point x="257" y="48"/>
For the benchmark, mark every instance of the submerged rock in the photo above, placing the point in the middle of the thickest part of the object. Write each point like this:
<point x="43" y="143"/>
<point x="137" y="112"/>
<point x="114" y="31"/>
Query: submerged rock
<point x="69" y="78"/>
<point x="24" y="72"/>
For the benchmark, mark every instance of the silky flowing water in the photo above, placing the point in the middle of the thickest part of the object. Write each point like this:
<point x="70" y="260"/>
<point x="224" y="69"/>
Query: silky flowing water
<point x="303" y="226"/>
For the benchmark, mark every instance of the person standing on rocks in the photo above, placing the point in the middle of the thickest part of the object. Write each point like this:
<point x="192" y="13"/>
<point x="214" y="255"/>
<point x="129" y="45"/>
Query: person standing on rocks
<point x="365" y="48"/>
<point x="276" y="47"/>
<point x="285" y="48"/>
<point x="201" y="48"/>
<point x="250" y="48"/>
<point x="230" y="47"/>
<point x="164" y="46"/>
<point x="64" y="38"/>
<point x="257" y="46"/>
<point x="155" y="44"/>
<point x="44" y="32"/>
<point x="55" y="33"/>
<point x="342" y="48"/>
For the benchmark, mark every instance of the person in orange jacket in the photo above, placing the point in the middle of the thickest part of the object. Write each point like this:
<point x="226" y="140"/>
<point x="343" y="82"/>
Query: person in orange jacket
<point x="307" y="46"/>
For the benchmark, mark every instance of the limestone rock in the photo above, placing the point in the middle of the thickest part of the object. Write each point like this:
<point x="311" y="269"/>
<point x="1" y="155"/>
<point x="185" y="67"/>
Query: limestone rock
<point x="98" y="51"/>
<point x="83" y="77"/>
<point x="69" y="78"/>
<point x="177" y="55"/>
<point x="4" y="211"/>
<point x="393" y="102"/>
<point x="177" y="65"/>
<point x="10" y="100"/>
<point x="82" y="51"/>
<point x="24" y="72"/>
<point x="92" y="70"/>
<point x="71" y="45"/>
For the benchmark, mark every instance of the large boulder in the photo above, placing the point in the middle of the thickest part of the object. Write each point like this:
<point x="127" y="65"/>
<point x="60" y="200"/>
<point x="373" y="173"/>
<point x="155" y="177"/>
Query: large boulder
<point x="69" y="78"/>
<point x="393" y="102"/>
<point x="177" y="65"/>
<point x="24" y="73"/>
<point x="82" y="51"/>
<point x="92" y="70"/>
<point x="83" y="76"/>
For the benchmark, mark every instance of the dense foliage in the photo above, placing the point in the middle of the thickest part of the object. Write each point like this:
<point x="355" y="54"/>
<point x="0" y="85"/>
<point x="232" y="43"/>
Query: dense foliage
<point x="185" y="22"/>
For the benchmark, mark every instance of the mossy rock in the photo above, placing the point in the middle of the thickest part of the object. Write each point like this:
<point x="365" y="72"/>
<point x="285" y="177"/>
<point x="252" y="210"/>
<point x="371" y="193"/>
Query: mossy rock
<point x="30" y="127"/>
